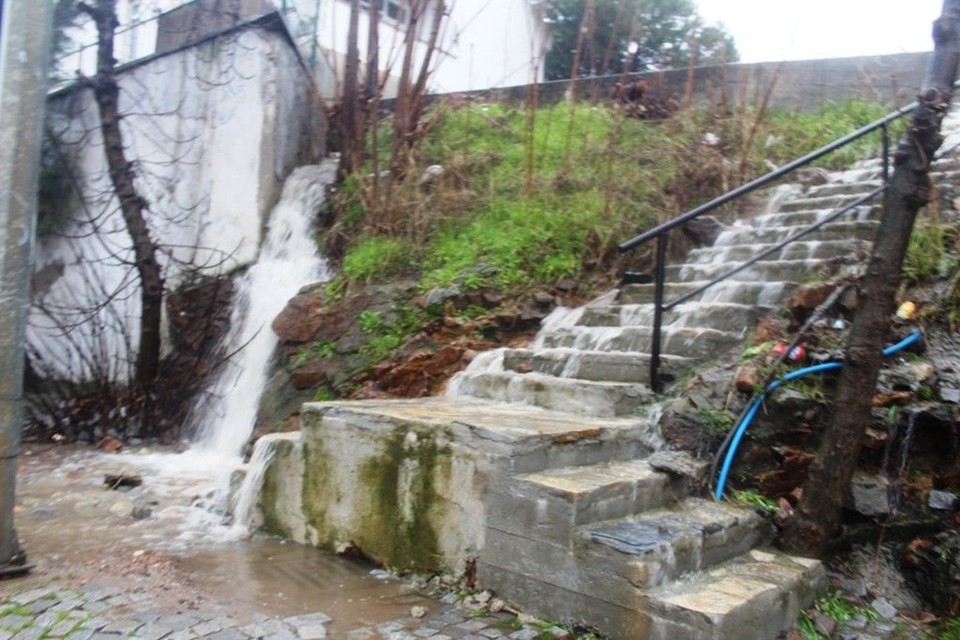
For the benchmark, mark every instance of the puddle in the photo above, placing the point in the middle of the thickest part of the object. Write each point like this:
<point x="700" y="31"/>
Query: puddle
<point x="73" y="528"/>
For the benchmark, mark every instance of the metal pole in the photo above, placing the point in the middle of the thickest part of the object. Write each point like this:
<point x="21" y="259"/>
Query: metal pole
<point x="655" y="337"/>
<point x="24" y="49"/>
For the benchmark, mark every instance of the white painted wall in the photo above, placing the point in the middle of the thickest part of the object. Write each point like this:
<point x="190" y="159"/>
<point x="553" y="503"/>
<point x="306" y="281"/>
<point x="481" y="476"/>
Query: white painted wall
<point x="484" y="43"/>
<point x="213" y="130"/>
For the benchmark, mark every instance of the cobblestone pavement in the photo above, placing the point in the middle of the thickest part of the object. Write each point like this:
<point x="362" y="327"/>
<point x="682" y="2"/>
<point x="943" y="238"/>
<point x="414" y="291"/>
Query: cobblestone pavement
<point x="98" y="613"/>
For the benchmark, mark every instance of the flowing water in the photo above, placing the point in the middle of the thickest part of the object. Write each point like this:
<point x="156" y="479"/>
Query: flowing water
<point x="209" y="559"/>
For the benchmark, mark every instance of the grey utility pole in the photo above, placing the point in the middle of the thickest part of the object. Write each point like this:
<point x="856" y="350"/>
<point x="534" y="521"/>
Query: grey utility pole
<point x="25" y="30"/>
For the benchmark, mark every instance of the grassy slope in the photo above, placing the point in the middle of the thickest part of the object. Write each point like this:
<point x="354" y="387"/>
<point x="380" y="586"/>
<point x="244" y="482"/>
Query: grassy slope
<point x="531" y="198"/>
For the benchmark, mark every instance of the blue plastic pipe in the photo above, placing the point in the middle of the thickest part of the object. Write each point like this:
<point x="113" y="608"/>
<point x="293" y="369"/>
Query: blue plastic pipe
<point x="755" y="405"/>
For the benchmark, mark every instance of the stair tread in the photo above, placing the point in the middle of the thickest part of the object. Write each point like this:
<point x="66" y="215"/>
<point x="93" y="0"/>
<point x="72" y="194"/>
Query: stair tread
<point x="570" y="381"/>
<point x="643" y="329"/>
<point x="566" y="351"/>
<point x="728" y="585"/>
<point x="650" y="531"/>
<point x="575" y="481"/>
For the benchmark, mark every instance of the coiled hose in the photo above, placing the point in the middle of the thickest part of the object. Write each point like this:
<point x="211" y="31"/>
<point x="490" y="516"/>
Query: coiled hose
<point x="732" y="441"/>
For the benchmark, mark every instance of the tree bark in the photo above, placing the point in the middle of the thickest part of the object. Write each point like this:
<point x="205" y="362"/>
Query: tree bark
<point x="817" y="516"/>
<point x="352" y="134"/>
<point x="132" y="205"/>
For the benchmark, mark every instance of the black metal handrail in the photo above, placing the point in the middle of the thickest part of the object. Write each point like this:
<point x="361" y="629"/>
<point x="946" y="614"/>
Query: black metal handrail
<point x="660" y="232"/>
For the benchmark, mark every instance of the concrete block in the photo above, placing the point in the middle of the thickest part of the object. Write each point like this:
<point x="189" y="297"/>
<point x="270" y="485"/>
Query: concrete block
<point x="549" y="505"/>
<point x="658" y="546"/>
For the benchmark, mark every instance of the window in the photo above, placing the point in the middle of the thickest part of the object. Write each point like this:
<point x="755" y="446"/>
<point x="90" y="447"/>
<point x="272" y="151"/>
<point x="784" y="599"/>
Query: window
<point x="394" y="10"/>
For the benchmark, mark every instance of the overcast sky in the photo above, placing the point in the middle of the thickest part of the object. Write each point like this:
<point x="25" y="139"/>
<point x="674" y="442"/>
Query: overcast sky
<point x="768" y="30"/>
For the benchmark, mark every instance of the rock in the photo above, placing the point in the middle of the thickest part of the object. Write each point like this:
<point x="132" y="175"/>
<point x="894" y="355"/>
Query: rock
<point x="497" y="605"/>
<point x="812" y="176"/>
<point x="678" y="463"/>
<point x="943" y="500"/>
<point x="543" y="299"/>
<point x="118" y="480"/>
<point x="950" y="394"/>
<point x="122" y="507"/>
<point x="870" y="494"/>
<point x="884" y="608"/>
<point x="300" y="320"/>
<point x="924" y="371"/>
<point x="440" y="295"/>
<point x="768" y="329"/>
<point x="141" y="510"/>
<point x="418" y="612"/>
<point x="855" y="588"/>
<point x="932" y="567"/>
<point x="430" y="175"/>
<point x="110" y="444"/>
<point x="892" y="398"/>
<point x="807" y="298"/>
<point x="703" y="231"/>
<point x="824" y="624"/>
<point x="747" y="378"/>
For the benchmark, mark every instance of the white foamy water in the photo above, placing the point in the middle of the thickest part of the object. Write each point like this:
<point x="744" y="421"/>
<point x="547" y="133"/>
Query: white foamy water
<point x="244" y="511"/>
<point x="287" y="261"/>
<point x="224" y="419"/>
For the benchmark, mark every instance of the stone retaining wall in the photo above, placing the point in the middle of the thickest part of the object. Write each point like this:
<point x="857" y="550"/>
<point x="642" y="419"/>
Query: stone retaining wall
<point x="804" y="84"/>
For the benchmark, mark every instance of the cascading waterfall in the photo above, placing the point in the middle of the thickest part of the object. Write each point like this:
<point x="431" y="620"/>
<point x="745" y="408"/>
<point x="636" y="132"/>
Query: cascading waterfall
<point x="287" y="261"/>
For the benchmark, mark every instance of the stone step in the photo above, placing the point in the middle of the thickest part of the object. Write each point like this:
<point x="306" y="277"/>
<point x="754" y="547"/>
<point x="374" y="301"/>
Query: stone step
<point x="760" y="292"/>
<point x="799" y="250"/>
<point x="581" y="397"/>
<point x="725" y="316"/>
<point x="775" y="270"/>
<point x="657" y="547"/>
<point x="757" y="595"/>
<point x="806" y="217"/>
<point x="698" y="343"/>
<point x="603" y="587"/>
<point x="842" y="189"/>
<point x="829" y="202"/>
<point x="742" y="234"/>
<point x="551" y="504"/>
<point x="599" y="366"/>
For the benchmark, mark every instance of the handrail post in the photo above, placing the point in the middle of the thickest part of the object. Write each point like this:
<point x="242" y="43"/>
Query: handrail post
<point x="659" y="277"/>
<point x="885" y="133"/>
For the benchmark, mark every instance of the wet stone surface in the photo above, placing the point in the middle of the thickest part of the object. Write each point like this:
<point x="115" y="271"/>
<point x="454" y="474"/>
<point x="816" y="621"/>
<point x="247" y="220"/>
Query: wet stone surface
<point x="96" y="613"/>
<point x="179" y="574"/>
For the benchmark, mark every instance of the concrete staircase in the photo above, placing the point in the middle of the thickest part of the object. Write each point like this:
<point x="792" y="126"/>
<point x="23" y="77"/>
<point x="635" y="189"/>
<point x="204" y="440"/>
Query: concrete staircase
<point x="543" y="464"/>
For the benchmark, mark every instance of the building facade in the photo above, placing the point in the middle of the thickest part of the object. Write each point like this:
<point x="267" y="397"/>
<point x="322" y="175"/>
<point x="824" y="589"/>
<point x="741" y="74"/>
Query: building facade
<point x="482" y="44"/>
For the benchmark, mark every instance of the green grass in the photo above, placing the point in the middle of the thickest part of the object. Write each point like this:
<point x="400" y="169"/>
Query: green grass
<point x="834" y="606"/>
<point x="949" y="630"/>
<point x="376" y="258"/>
<point x="932" y="253"/>
<point x="531" y="199"/>
<point x="756" y="501"/>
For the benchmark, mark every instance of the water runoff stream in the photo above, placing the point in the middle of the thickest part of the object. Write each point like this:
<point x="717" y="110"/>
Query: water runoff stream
<point x="183" y="496"/>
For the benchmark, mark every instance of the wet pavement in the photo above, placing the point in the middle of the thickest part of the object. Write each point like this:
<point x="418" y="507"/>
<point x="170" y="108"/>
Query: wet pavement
<point x="154" y="562"/>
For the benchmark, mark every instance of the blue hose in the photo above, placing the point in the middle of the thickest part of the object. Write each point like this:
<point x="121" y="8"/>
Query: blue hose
<point x="741" y="428"/>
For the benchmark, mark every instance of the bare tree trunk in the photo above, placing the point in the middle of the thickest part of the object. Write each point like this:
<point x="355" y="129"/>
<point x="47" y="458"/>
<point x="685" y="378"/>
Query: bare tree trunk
<point x="818" y="515"/>
<point x="373" y="93"/>
<point x="401" y="112"/>
<point x="132" y="205"/>
<point x="349" y="129"/>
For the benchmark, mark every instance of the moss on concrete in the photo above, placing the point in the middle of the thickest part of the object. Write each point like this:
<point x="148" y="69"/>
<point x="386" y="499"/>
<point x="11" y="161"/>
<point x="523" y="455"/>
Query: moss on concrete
<point x="399" y="486"/>
<point x="270" y="507"/>
<point x="318" y="482"/>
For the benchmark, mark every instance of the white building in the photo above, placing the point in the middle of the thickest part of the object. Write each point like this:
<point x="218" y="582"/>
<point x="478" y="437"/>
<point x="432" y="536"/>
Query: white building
<point x="483" y="43"/>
